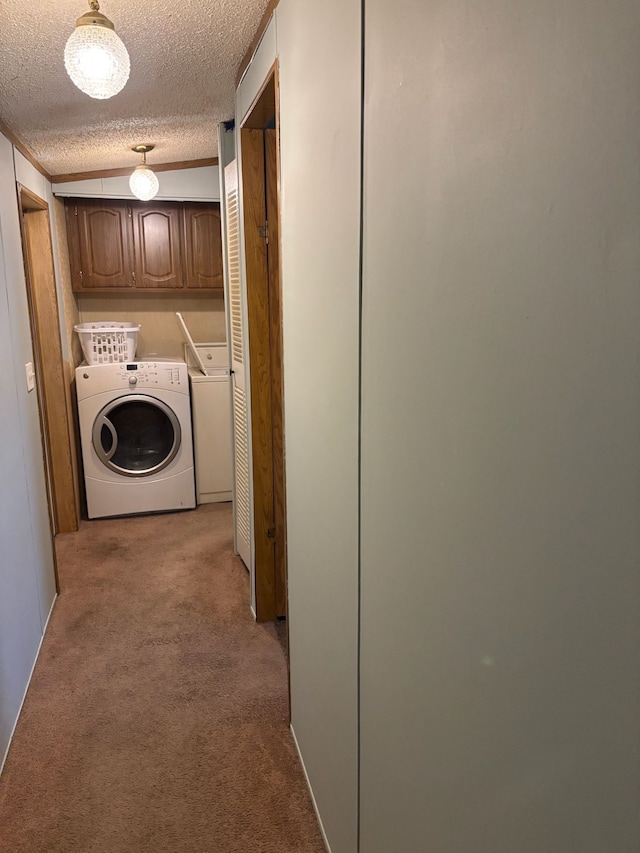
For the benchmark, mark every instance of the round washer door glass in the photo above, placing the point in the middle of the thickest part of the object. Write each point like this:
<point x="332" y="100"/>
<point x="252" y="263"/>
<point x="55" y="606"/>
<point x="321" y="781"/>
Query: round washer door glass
<point x="136" y="435"/>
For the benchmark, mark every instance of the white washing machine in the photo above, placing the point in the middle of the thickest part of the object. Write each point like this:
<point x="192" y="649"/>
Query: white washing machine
<point x="135" y="430"/>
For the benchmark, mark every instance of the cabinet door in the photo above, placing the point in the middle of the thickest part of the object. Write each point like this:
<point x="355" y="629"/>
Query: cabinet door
<point x="203" y="246"/>
<point x="104" y="245"/>
<point x="158" y="257"/>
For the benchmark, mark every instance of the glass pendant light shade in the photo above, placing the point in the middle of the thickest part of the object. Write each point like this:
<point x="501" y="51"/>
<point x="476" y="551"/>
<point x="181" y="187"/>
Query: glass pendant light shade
<point x="143" y="183"/>
<point x="95" y="57"/>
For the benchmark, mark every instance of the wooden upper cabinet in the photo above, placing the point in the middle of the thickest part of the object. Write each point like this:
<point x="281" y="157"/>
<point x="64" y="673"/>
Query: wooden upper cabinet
<point x="144" y="246"/>
<point x="157" y="246"/>
<point x="100" y="245"/>
<point x="203" y="246"/>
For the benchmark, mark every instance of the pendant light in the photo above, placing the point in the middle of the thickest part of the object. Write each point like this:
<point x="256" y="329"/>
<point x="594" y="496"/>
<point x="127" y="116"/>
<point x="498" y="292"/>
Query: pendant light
<point x="143" y="183"/>
<point x="95" y="57"/>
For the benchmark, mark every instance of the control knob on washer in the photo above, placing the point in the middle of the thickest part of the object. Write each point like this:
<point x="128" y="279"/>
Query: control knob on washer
<point x="133" y="380"/>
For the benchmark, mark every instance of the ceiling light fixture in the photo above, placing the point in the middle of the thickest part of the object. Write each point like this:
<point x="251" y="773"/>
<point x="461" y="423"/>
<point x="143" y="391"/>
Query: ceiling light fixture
<point x="95" y="57"/>
<point x="143" y="182"/>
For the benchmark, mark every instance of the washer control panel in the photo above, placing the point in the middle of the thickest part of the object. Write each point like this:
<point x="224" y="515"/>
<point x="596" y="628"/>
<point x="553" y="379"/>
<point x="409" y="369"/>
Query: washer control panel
<point x="139" y="373"/>
<point x="133" y="376"/>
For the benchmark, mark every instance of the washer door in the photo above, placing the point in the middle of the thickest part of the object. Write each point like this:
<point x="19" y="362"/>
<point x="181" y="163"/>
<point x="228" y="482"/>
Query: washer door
<point x="136" y="435"/>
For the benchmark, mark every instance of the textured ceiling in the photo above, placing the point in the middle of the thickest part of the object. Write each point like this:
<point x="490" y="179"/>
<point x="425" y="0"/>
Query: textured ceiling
<point x="184" y="59"/>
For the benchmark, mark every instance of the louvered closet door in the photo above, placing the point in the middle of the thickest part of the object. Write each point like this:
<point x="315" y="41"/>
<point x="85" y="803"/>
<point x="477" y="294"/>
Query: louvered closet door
<point x="238" y="378"/>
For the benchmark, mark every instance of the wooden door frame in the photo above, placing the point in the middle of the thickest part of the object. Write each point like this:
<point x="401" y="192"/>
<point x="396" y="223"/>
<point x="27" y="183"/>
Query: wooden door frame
<point x="51" y="388"/>
<point x="272" y="177"/>
<point x="264" y="328"/>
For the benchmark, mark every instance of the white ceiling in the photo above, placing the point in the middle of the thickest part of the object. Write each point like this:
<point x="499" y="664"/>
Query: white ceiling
<point x="184" y="59"/>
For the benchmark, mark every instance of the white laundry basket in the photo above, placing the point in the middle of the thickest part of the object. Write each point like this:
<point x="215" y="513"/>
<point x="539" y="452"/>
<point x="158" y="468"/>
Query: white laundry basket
<point x="108" y="342"/>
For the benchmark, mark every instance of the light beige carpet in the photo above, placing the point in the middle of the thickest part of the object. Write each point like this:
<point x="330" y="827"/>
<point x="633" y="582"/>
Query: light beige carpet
<point x="157" y="717"/>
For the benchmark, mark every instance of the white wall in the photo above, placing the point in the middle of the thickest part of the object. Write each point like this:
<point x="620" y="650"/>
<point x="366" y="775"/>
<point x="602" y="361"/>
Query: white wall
<point x="256" y="72"/>
<point x="499" y="637"/>
<point x="501" y="428"/>
<point x="27" y="587"/>
<point x="320" y="257"/>
<point x="320" y="312"/>
<point x="199" y="184"/>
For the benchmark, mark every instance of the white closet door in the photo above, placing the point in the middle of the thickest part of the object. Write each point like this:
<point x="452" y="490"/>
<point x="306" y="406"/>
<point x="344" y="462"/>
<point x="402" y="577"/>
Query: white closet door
<point x="243" y="504"/>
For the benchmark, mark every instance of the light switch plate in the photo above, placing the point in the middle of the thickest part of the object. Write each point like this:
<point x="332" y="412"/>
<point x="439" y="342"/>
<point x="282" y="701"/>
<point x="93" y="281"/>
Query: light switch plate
<point x="31" y="376"/>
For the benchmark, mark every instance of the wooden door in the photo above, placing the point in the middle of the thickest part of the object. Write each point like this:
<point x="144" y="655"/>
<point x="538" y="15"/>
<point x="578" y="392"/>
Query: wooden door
<point x="203" y="246"/>
<point x="102" y="240"/>
<point x="50" y="382"/>
<point x="259" y="157"/>
<point x="157" y="242"/>
<point x="257" y="290"/>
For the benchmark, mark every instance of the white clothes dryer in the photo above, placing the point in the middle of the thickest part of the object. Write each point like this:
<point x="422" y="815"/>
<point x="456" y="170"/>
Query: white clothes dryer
<point x="135" y="431"/>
